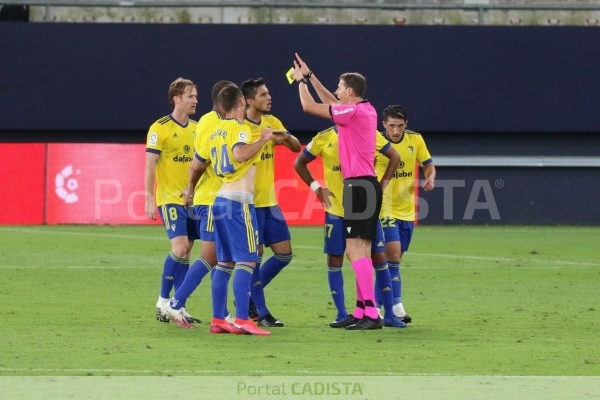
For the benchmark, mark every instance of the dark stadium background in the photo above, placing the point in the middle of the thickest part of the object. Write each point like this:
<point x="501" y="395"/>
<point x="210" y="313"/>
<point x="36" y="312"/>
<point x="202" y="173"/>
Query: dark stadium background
<point x="471" y="91"/>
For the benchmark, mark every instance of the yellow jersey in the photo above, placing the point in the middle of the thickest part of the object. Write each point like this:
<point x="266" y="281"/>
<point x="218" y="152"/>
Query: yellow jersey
<point x="174" y="143"/>
<point x="325" y="144"/>
<point x="264" y="187"/>
<point x="228" y="134"/>
<point x="209" y="184"/>
<point x="399" y="196"/>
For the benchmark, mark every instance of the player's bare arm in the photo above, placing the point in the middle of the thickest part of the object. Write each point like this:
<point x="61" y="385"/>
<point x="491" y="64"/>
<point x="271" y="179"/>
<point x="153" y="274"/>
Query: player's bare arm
<point x="288" y="140"/>
<point x="149" y="182"/>
<point x="245" y="152"/>
<point x="196" y="171"/>
<point x="324" y="95"/>
<point x="393" y="161"/>
<point x="430" y="174"/>
<point x="300" y="165"/>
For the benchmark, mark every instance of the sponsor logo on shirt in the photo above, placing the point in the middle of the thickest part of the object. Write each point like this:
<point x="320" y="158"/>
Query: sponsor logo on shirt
<point x="403" y="174"/>
<point x="183" y="159"/>
<point x="342" y="112"/>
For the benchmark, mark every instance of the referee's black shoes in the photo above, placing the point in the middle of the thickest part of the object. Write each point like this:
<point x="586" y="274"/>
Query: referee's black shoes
<point x="366" y="323"/>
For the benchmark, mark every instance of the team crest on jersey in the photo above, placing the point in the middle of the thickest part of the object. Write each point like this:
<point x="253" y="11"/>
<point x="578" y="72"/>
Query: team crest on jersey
<point x="186" y="148"/>
<point x="243" y="137"/>
<point x="153" y="139"/>
<point x="411" y="149"/>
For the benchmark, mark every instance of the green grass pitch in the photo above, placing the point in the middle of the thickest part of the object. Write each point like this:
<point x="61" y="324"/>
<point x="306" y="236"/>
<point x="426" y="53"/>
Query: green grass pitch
<point x="79" y="300"/>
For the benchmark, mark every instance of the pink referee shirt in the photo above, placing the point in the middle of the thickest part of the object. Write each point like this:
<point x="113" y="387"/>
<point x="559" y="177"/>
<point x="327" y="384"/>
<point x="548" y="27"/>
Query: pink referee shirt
<point x="357" y="127"/>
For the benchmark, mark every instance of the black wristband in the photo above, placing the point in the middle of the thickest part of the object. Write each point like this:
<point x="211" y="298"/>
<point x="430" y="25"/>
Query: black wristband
<point x="307" y="76"/>
<point x="303" y="80"/>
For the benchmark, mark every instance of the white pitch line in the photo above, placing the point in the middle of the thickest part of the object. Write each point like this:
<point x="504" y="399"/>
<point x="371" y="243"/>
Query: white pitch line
<point x="108" y="235"/>
<point x="485" y="258"/>
<point x="189" y="371"/>
<point x="458" y="256"/>
<point x="245" y="373"/>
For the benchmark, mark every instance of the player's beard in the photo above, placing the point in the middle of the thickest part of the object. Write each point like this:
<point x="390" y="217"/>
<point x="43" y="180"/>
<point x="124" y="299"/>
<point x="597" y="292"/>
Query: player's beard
<point x="265" y="109"/>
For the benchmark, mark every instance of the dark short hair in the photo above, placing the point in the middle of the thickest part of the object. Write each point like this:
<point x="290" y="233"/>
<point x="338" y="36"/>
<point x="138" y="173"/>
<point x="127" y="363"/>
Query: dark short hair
<point x="214" y="94"/>
<point x="356" y="82"/>
<point x="177" y="88"/>
<point x="250" y="87"/>
<point x="229" y="96"/>
<point x="396" y="112"/>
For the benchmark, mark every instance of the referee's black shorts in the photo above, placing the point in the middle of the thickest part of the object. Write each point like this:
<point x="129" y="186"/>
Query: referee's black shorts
<point x="362" y="204"/>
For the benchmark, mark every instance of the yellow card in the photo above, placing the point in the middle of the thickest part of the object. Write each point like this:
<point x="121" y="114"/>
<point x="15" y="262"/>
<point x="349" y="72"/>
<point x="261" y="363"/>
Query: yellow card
<point x="290" y="75"/>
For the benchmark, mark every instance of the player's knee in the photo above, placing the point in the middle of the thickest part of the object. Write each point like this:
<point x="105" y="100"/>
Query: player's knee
<point x="333" y="260"/>
<point x="210" y="258"/>
<point x="181" y="250"/>
<point x="378" y="258"/>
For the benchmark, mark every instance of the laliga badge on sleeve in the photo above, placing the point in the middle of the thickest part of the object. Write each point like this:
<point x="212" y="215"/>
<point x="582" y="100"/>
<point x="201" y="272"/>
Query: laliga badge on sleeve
<point x="290" y="75"/>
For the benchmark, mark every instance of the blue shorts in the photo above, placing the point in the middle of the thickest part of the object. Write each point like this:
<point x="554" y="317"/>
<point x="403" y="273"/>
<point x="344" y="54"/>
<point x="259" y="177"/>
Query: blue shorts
<point x="335" y="240"/>
<point x="272" y="227"/>
<point x="177" y="221"/>
<point x="396" y="230"/>
<point x="236" y="236"/>
<point x="204" y="223"/>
